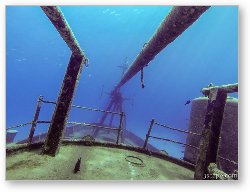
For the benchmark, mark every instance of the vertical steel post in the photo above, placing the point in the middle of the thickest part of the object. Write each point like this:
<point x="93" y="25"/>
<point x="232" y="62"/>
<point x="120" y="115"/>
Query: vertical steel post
<point x="34" y="122"/>
<point x="211" y="134"/>
<point x="148" y="134"/>
<point x="123" y="122"/>
<point x="120" y="127"/>
<point x="63" y="105"/>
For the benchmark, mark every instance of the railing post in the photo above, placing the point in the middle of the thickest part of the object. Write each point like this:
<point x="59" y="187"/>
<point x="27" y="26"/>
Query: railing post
<point x="120" y="127"/>
<point x="34" y="122"/>
<point x="211" y="134"/>
<point x="148" y="134"/>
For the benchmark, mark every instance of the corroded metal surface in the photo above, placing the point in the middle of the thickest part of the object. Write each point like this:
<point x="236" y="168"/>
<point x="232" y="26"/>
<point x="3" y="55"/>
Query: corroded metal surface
<point x="179" y="19"/>
<point x="210" y="135"/>
<point x="59" y="119"/>
<point x="63" y="105"/>
<point x="228" y="146"/>
<point x="230" y="88"/>
<point x="57" y="19"/>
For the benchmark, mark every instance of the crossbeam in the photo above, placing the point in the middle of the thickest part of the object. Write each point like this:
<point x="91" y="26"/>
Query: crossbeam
<point x="179" y="19"/>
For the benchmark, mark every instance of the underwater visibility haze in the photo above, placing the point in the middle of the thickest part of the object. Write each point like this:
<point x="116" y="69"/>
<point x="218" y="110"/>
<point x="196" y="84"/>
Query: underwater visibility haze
<point x="112" y="37"/>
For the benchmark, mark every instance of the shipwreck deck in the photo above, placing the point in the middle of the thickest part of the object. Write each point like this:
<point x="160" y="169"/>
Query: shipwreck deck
<point x="98" y="163"/>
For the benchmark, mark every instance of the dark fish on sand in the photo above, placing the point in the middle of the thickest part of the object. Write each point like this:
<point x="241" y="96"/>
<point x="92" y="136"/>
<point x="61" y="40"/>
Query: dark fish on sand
<point x="78" y="165"/>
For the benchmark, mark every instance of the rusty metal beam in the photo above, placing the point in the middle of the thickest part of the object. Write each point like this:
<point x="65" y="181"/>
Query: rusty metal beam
<point x="179" y="19"/>
<point x="211" y="134"/>
<point x="229" y="88"/>
<point x="65" y="98"/>
<point x="56" y="17"/>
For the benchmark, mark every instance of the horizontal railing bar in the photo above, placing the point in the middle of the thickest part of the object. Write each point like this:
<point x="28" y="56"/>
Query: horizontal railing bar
<point x="87" y="108"/>
<point x="50" y="102"/>
<point x="177" y="142"/>
<point x="230" y="88"/>
<point x="93" y="109"/>
<point x="175" y="129"/>
<point x="228" y="160"/>
<point x="43" y="121"/>
<point x="92" y="125"/>
<point x="20" y="125"/>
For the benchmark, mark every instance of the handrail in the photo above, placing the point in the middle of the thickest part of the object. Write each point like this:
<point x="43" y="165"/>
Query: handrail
<point x="175" y="129"/>
<point x="20" y="125"/>
<point x="173" y="141"/>
<point x="87" y="108"/>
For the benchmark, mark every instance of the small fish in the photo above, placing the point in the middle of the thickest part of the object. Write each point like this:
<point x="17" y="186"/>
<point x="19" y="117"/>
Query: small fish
<point x="188" y="101"/>
<point x="78" y="165"/>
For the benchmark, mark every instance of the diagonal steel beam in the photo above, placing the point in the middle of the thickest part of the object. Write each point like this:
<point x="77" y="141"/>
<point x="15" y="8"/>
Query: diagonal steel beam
<point x="57" y="18"/>
<point x="179" y="19"/>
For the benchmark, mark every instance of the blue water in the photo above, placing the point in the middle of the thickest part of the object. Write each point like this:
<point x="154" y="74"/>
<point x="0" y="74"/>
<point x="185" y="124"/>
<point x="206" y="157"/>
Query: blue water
<point x="37" y="58"/>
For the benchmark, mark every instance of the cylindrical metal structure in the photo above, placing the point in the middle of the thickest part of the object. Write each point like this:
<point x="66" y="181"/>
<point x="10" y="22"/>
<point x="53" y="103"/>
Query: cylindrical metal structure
<point x="179" y="19"/>
<point x="10" y="135"/>
<point x="228" y="147"/>
<point x="57" y="19"/>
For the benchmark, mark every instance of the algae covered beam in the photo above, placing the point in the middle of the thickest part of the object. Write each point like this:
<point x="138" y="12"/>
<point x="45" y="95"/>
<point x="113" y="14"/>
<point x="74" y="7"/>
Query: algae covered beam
<point x="179" y="19"/>
<point x="210" y="137"/>
<point x="65" y="98"/>
<point x="229" y="88"/>
<point x="57" y="19"/>
<point x="211" y="134"/>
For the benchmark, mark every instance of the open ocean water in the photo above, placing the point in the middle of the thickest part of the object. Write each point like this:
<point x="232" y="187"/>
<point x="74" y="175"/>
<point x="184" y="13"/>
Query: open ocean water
<point x="37" y="57"/>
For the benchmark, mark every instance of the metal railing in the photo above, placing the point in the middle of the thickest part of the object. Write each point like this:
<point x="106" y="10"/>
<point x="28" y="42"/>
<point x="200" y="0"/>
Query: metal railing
<point x="37" y="112"/>
<point x="228" y="160"/>
<point x="152" y="123"/>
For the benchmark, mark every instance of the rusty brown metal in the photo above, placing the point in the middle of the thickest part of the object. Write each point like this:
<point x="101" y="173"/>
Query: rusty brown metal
<point x="56" y="17"/>
<point x="34" y="122"/>
<point x="211" y="133"/>
<point x="179" y="19"/>
<point x="229" y="88"/>
<point x="71" y="78"/>
<point x="63" y="106"/>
